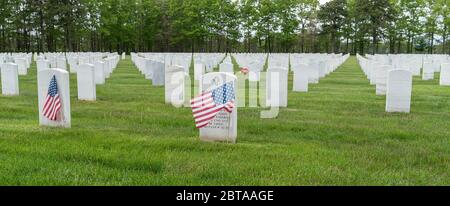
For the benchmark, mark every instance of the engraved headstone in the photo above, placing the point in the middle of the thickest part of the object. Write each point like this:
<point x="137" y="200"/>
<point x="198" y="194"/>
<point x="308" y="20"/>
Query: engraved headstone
<point x="224" y="126"/>
<point x="62" y="79"/>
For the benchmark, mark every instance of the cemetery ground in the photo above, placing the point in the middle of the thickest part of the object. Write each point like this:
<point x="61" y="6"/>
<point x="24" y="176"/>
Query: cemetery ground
<point x="336" y="134"/>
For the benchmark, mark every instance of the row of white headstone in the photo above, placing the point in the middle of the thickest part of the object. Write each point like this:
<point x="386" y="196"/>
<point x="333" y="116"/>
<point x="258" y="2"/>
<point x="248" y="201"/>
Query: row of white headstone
<point x="90" y="72"/>
<point x="12" y="65"/>
<point x="424" y="65"/>
<point x="389" y="80"/>
<point x="308" y="68"/>
<point x="176" y="73"/>
<point x="23" y="61"/>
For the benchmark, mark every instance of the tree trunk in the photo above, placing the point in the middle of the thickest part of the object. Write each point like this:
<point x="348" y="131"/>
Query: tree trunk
<point x="374" y="42"/>
<point x="303" y="38"/>
<point x="444" y="38"/>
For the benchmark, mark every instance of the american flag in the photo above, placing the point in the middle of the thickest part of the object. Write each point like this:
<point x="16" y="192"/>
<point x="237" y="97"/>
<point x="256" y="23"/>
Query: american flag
<point x="52" y="105"/>
<point x="207" y="105"/>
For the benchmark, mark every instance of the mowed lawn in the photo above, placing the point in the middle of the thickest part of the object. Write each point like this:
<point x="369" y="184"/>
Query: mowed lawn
<point x="336" y="134"/>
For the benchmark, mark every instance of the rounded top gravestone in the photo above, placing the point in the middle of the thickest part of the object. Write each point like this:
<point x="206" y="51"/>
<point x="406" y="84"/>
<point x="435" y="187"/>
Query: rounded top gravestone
<point x="62" y="79"/>
<point x="9" y="79"/>
<point x="399" y="88"/>
<point x="174" y="85"/>
<point x="224" y="126"/>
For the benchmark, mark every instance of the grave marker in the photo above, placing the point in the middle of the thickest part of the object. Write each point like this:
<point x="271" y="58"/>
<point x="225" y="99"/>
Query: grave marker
<point x="300" y="82"/>
<point x="224" y="126"/>
<point x="10" y="79"/>
<point x="445" y="75"/>
<point x="86" y="82"/>
<point x="62" y="79"/>
<point x="277" y="84"/>
<point x="399" y="88"/>
<point x="100" y="69"/>
<point x="22" y="66"/>
<point x="427" y="71"/>
<point x="174" y="85"/>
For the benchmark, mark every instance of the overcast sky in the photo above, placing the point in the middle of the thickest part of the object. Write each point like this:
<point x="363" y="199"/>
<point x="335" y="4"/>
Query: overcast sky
<point x="323" y="1"/>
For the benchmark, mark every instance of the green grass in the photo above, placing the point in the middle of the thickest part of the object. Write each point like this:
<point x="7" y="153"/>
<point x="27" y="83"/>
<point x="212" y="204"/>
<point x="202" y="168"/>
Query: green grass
<point x="336" y="134"/>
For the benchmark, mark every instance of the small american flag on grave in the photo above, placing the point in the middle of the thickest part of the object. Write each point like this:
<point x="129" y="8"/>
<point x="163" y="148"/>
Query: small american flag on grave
<point x="206" y="106"/>
<point x="52" y="105"/>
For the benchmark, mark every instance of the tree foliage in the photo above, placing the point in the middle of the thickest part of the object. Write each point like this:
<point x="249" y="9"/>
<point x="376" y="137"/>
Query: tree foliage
<point x="375" y="26"/>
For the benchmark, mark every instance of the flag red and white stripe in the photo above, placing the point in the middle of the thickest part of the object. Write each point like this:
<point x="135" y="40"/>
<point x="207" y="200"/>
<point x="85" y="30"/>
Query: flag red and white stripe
<point x="206" y="106"/>
<point x="52" y="105"/>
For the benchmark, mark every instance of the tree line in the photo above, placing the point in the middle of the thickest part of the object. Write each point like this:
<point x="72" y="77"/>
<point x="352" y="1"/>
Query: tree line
<point x="348" y="26"/>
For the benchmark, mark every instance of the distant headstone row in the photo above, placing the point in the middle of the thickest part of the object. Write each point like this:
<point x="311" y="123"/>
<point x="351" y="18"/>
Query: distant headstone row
<point x="173" y="70"/>
<point x="392" y="75"/>
<point x="53" y="79"/>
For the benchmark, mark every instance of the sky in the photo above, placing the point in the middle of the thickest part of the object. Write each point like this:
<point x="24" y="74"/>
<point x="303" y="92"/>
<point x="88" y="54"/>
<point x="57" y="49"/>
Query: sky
<point x="323" y="1"/>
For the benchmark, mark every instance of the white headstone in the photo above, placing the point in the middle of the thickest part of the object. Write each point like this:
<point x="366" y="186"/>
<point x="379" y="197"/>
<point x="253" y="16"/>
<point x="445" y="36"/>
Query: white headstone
<point x="445" y="75"/>
<point x="174" y="85"/>
<point x="53" y="61"/>
<point x="62" y="79"/>
<point x="42" y="64"/>
<point x="224" y="126"/>
<point x="74" y="65"/>
<point x="427" y="71"/>
<point x="10" y="79"/>
<point x="108" y="67"/>
<point x="199" y="70"/>
<point x="61" y="63"/>
<point x="322" y="69"/>
<point x="100" y="69"/>
<point x="399" y="88"/>
<point x="158" y="74"/>
<point x="277" y="85"/>
<point x="381" y="78"/>
<point x="22" y="66"/>
<point x="86" y="82"/>
<point x="148" y="69"/>
<point x="300" y="83"/>
<point x="226" y="67"/>
<point x="373" y="73"/>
